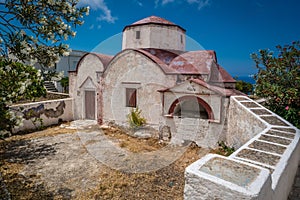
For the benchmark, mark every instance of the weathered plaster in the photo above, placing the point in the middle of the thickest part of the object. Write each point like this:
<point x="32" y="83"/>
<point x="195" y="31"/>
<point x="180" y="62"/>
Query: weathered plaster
<point x="242" y="124"/>
<point x="154" y="36"/>
<point x="132" y="67"/>
<point x="217" y="177"/>
<point x="89" y="68"/>
<point x="50" y="112"/>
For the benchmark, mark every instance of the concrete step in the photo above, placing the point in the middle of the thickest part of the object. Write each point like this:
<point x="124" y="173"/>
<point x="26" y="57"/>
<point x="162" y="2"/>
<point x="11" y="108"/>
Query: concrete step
<point x="50" y="86"/>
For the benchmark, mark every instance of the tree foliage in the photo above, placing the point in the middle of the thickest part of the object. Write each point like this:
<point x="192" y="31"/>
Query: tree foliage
<point x="64" y="82"/>
<point x="32" y="30"/>
<point x="278" y="80"/>
<point x="18" y="82"/>
<point x="244" y="86"/>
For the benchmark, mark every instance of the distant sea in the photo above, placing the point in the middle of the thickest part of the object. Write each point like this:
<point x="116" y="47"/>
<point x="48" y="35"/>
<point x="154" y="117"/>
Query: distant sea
<point x="248" y="79"/>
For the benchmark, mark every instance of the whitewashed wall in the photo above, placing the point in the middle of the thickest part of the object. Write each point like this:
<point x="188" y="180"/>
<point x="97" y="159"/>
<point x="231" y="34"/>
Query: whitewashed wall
<point x="132" y="68"/>
<point x="154" y="36"/>
<point x="84" y="79"/>
<point x="50" y="112"/>
<point x="275" y="148"/>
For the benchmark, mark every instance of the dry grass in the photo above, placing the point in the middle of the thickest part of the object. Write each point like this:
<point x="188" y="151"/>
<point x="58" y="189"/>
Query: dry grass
<point x="131" y="143"/>
<point x="48" y="131"/>
<point x="166" y="183"/>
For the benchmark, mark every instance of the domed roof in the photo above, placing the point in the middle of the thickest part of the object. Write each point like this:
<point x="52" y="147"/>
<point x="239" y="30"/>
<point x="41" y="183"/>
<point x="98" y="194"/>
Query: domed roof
<point x="153" y="20"/>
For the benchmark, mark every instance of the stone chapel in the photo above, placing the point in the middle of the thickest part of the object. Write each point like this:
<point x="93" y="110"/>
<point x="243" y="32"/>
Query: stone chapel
<point x="187" y="91"/>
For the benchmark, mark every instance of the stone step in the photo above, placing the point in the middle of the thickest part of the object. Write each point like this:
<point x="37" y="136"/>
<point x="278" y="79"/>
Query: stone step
<point x="50" y="86"/>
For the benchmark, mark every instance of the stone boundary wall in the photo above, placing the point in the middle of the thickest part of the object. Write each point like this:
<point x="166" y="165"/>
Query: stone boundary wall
<point x="242" y="124"/>
<point x="273" y="152"/>
<point x="203" y="132"/>
<point x="48" y="112"/>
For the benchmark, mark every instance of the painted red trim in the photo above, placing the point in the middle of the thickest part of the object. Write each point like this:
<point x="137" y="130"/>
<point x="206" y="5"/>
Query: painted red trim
<point x="200" y="101"/>
<point x="100" y="101"/>
<point x="163" y="103"/>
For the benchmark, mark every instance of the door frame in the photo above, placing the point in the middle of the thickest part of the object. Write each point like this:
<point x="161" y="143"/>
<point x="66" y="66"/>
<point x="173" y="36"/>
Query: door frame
<point x="84" y="105"/>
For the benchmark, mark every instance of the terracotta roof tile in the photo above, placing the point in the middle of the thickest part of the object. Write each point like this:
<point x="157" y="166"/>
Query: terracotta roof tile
<point x="193" y="62"/>
<point x="179" y="62"/>
<point x="219" y="74"/>
<point x="153" y="20"/>
<point x="105" y="59"/>
<point x="219" y="90"/>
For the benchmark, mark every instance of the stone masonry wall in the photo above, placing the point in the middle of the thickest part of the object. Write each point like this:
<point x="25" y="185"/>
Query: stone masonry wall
<point x="242" y="124"/>
<point x="274" y="152"/>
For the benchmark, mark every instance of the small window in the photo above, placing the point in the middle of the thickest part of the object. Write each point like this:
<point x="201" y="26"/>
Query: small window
<point x="181" y="39"/>
<point x="131" y="97"/>
<point x="138" y="34"/>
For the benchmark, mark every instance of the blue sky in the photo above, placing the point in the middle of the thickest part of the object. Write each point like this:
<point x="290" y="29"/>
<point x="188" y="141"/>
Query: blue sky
<point x="233" y="28"/>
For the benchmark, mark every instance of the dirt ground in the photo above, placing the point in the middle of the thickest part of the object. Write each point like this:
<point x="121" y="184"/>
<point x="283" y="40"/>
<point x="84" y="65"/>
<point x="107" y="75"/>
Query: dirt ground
<point x="56" y="164"/>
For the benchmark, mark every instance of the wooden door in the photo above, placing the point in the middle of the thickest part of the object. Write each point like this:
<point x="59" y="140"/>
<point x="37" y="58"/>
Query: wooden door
<point x="90" y="105"/>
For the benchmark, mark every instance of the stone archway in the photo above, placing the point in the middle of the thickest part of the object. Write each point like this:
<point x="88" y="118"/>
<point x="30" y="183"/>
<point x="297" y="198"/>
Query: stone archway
<point x="191" y="107"/>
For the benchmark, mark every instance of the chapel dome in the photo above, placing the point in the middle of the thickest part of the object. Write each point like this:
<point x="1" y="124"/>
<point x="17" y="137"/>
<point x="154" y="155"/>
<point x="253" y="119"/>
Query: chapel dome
<point x="154" y="32"/>
<point x="153" y="19"/>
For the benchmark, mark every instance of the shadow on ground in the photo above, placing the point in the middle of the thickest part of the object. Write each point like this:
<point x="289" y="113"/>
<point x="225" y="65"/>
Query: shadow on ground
<point x="15" y="185"/>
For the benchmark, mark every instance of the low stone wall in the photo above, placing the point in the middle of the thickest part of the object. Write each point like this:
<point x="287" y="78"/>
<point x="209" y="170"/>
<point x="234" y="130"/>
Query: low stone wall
<point x="43" y="113"/>
<point x="203" y="132"/>
<point x="218" y="177"/>
<point x="275" y="149"/>
<point x="242" y="124"/>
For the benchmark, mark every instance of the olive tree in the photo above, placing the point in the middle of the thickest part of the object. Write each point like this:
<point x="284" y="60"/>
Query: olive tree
<point x="278" y="80"/>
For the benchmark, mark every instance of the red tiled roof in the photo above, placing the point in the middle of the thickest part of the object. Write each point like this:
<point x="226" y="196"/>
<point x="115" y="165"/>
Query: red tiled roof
<point x="105" y="59"/>
<point x="153" y="20"/>
<point x="219" y="75"/>
<point x="219" y="90"/>
<point x="193" y="62"/>
<point x="179" y="62"/>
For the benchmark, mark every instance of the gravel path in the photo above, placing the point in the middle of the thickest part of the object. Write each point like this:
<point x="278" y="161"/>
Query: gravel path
<point x="52" y="166"/>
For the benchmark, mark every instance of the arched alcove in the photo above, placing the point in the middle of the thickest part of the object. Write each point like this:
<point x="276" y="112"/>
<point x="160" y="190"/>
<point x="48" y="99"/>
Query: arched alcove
<point x="191" y="107"/>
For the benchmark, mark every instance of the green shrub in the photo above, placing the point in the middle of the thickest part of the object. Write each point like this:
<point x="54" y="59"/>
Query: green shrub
<point x="278" y="80"/>
<point x="135" y="119"/>
<point x="224" y="149"/>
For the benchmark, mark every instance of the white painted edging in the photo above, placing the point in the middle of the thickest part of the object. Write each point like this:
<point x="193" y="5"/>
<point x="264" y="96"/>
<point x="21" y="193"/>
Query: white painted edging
<point x="259" y="186"/>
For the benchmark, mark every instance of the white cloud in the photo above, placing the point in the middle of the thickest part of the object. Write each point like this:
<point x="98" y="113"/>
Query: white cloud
<point x="138" y="3"/>
<point x="164" y="2"/>
<point x="156" y="3"/>
<point x="99" y="5"/>
<point x="200" y="3"/>
<point x="91" y="27"/>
